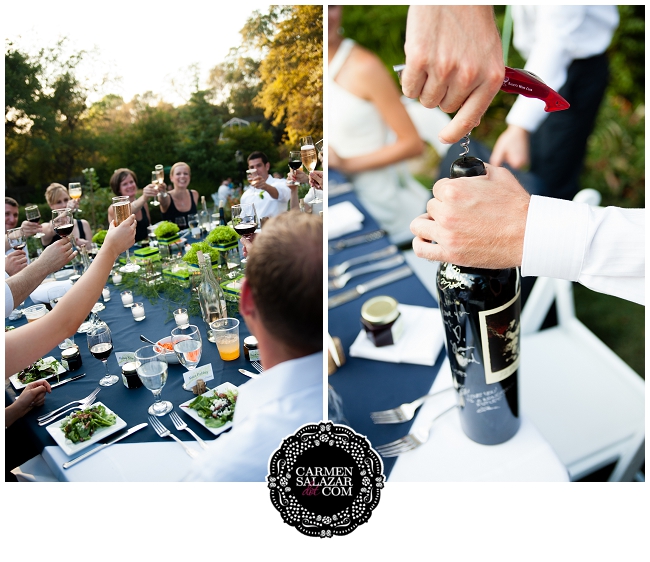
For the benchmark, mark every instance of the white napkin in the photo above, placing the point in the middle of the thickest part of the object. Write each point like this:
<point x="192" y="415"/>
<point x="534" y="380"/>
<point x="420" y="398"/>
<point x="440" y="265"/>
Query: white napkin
<point x="420" y="343"/>
<point x="343" y="219"/>
<point x="40" y="293"/>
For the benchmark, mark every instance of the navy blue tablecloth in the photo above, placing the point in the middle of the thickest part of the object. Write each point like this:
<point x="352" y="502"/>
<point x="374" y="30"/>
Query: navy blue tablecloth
<point x="365" y="385"/>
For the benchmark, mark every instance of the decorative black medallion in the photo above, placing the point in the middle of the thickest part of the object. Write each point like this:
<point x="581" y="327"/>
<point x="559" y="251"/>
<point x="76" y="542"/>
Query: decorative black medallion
<point x="325" y="479"/>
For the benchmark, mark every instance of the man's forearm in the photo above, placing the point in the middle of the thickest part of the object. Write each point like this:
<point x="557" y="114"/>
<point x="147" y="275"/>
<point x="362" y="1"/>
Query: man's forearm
<point x="272" y="191"/>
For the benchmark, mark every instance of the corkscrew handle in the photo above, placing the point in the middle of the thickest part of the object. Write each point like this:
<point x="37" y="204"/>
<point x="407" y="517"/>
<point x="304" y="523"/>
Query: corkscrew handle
<point x="523" y="82"/>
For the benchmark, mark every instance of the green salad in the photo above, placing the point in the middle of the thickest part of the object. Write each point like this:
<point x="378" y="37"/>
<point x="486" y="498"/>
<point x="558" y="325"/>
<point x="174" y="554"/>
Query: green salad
<point x="222" y="235"/>
<point x="39" y="370"/>
<point x="215" y="409"/>
<point x="81" y="425"/>
<point x="166" y="229"/>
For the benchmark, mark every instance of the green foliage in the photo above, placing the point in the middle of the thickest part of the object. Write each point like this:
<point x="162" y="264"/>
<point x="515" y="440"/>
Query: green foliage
<point x="222" y="235"/>
<point x="166" y="229"/>
<point x="191" y="257"/>
<point x="99" y="236"/>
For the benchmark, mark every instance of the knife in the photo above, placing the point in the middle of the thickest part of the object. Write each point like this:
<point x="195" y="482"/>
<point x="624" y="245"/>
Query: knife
<point x="359" y="290"/>
<point x="249" y="374"/>
<point x="356" y="240"/>
<point x="67" y="380"/>
<point x="104" y="445"/>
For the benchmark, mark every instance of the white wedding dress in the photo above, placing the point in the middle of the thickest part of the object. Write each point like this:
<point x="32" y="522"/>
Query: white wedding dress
<point x="390" y="194"/>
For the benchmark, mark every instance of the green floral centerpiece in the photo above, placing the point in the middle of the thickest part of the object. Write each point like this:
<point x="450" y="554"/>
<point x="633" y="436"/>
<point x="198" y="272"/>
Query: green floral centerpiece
<point x="191" y="258"/>
<point x="167" y="232"/>
<point x="99" y="237"/>
<point x="223" y="238"/>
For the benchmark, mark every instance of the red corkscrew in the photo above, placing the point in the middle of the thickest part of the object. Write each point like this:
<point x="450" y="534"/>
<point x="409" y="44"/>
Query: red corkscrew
<point x="524" y="82"/>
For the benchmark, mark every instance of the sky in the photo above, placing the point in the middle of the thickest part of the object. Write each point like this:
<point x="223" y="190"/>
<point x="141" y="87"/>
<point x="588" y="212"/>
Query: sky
<point x="142" y="44"/>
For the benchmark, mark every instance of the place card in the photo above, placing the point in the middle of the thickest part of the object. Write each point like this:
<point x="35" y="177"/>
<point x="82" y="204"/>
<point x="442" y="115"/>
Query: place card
<point x="190" y="377"/>
<point x="124" y="357"/>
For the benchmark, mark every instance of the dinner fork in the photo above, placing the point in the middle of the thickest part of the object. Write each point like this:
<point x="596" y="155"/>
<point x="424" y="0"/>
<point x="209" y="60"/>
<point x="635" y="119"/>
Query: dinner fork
<point x="162" y="431"/>
<point x="81" y="404"/>
<point x="258" y="366"/>
<point x="342" y="280"/>
<point x="411" y="441"/>
<point x="181" y="425"/>
<point x="404" y="412"/>
<point x="341" y="268"/>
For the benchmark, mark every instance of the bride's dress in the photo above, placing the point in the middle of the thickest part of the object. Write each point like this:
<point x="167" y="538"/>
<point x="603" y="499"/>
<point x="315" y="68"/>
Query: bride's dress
<point x="390" y="194"/>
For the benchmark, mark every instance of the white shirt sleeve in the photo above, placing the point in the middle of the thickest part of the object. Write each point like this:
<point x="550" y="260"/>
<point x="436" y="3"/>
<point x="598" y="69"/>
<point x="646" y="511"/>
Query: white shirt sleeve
<point x="601" y="248"/>
<point x="9" y="300"/>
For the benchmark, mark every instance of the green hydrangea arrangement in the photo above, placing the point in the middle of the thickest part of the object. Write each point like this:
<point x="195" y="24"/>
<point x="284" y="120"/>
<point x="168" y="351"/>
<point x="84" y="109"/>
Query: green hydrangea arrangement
<point x="99" y="236"/>
<point x="191" y="257"/>
<point x="166" y="229"/>
<point x="222" y="235"/>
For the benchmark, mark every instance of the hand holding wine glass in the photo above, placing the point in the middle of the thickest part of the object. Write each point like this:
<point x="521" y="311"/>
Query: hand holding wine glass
<point x="100" y="344"/>
<point x="295" y="163"/>
<point x="244" y="219"/>
<point x="155" y="186"/>
<point x="16" y="238"/>
<point x="32" y="225"/>
<point x="62" y="222"/>
<point x="308" y="153"/>
<point x="74" y="190"/>
<point x="122" y="208"/>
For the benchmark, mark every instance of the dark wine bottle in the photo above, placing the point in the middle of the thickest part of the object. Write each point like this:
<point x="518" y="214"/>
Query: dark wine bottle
<point x="480" y="310"/>
<point x="222" y="214"/>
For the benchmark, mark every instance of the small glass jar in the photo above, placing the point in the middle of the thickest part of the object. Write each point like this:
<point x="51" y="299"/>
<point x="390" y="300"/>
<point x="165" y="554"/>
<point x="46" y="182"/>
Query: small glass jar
<point x="382" y="320"/>
<point x="251" y="352"/>
<point x="130" y="376"/>
<point x="71" y="358"/>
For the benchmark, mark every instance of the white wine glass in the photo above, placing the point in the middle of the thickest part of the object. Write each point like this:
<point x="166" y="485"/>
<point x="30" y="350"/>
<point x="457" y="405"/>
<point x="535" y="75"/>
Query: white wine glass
<point x="75" y="192"/>
<point x="187" y="344"/>
<point x="122" y="208"/>
<point x="62" y="222"/>
<point x="152" y="370"/>
<point x="308" y="153"/>
<point x="154" y="180"/>
<point x="244" y="219"/>
<point x="33" y="214"/>
<point x="100" y="344"/>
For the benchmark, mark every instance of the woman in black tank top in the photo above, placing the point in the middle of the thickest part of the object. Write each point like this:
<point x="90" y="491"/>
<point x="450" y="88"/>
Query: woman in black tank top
<point x="57" y="197"/>
<point x="181" y="201"/>
<point x="124" y="182"/>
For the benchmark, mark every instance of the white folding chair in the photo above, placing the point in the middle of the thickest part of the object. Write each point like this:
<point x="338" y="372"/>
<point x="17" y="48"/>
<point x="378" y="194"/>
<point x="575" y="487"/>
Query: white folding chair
<point x="585" y="400"/>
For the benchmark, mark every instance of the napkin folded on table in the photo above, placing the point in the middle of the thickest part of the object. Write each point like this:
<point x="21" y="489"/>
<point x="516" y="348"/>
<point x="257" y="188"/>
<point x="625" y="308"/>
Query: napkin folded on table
<point x="420" y="343"/>
<point x="343" y="219"/>
<point x="39" y="295"/>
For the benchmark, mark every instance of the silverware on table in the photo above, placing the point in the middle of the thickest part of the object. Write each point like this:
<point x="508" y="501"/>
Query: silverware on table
<point x="404" y="412"/>
<point x="81" y="401"/>
<point x="362" y="288"/>
<point x="162" y="431"/>
<point x="355" y="240"/>
<point x="249" y="374"/>
<point x="182" y="426"/>
<point x="411" y="441"/>
<point x="66" y="381"/>
<point x="146" y="340"/>
<point x="78" y="407"/>
<point x="104" y="445"/>
<point x="341" y="268"/>
<point x="258" y="366"/>
<point x="342" y="280"/>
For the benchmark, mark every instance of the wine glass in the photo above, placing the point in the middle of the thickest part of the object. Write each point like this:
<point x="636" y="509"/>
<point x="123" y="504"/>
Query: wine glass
<point x="244" y="219"/>
<point x="152" y="370"/>
<point x="319" y="148"/>
<point x="308" y="153"/>
<point x="16" y="238"/>
<point x="154" y="179"/>
<point x="32" y="214"/>
<point x="122" y="208"/>
<point x="187" y="345"/>
<point x="74" y="190"/>
<point x="181" y="222"/>
<point x="100" y="345"/>
<point x="193" y="223"/>
<point x="62" y="222"/>
<point x="160" y="175"/>
<point x="295" y="162"/>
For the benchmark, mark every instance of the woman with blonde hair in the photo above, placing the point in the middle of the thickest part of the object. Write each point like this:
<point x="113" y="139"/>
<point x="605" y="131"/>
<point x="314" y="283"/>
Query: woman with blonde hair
<point x="57" y="197"/>
<point x="181" y="201"/>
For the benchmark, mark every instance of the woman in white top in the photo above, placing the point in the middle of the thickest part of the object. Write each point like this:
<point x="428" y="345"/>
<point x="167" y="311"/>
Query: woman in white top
<point x="367" y="111"/>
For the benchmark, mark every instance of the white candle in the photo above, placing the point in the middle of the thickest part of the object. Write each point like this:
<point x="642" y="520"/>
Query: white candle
<point x="138" y="311"/>
<point x="106" y="293"/>
<point x="117" y="279"/>
<point x="127" y="300"/>
<point x="182" y="319"/>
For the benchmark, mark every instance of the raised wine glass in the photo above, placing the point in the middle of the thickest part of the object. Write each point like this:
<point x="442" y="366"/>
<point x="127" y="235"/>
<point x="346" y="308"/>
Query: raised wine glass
<point x="244" y="219"/>
<point x="187" y="345"/>
<point x="62" y="222"/>
<point x="308" y="153"/>
<point x="295" y="163"/>
<point x="33" y="214"/>
<point x="74" y="190"/>
<point x="100" y="345"/>
<point x="152" y="370"/>
<point x="154" y="180"/>
<point x="16" y="238"/>
<point x="122" y="208"/>
<point x="319" y="148"/>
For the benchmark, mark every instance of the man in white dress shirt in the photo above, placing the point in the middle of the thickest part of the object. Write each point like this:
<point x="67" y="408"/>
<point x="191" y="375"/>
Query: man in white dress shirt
<point x="282" y="304"/>
<point x="269" y="195"/>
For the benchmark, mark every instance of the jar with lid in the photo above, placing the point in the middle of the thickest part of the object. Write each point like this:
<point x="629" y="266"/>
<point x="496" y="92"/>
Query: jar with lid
<point x="382" y="320"/>
<point x="130" y="376"/>
<point x="251" y="352"/>
<point x="71" y="358"/>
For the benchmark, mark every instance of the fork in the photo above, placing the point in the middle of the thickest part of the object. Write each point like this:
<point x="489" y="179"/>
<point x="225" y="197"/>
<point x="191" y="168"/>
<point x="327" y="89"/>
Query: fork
<point x="411" y="441"/>
<point x="44" y="420"/>
<point x="337" y="270"/>
<point x="342" y="280"/>
<point x="258" y="366"/>
<point x="405" y="412"/>
<point x="162" y="431"/>
<point x="181" y="425"/>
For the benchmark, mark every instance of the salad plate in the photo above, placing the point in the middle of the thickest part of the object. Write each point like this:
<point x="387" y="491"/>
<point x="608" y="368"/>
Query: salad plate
<point x="70" y="448"/>
<point x="18" y="385"/>
<point x="195" y="414"/>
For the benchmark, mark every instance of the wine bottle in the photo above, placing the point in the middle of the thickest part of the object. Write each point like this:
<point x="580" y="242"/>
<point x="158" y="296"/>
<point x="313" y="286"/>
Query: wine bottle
<point x="480" y="311"/>
<point x="222" y="214"/>
<point x="204" y="216"/>
<point x="211" y="297"/>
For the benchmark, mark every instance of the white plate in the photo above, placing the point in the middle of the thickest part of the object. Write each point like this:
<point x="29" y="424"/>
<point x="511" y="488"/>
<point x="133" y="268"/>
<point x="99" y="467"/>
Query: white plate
<point x="194" y="414"/>
<point x="70" y="448"/>
<point x="98" y="307"/>
<point x="19" y="385"/>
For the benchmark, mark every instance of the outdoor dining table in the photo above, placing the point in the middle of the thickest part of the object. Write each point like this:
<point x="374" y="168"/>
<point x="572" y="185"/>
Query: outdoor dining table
<point x="366" y="385"/>
<point x="143" y="455"/>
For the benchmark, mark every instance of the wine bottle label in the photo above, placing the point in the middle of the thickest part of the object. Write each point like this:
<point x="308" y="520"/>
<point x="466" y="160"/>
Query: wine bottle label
<point x="500" y="340"/>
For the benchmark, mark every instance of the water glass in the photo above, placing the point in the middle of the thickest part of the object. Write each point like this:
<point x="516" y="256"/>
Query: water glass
<point x="226" y="336"/>
<point x="137" y="309"/>
<point x="187" y="345"/>
<point x="152" y="370"/>
<point x="35" y="312"/>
